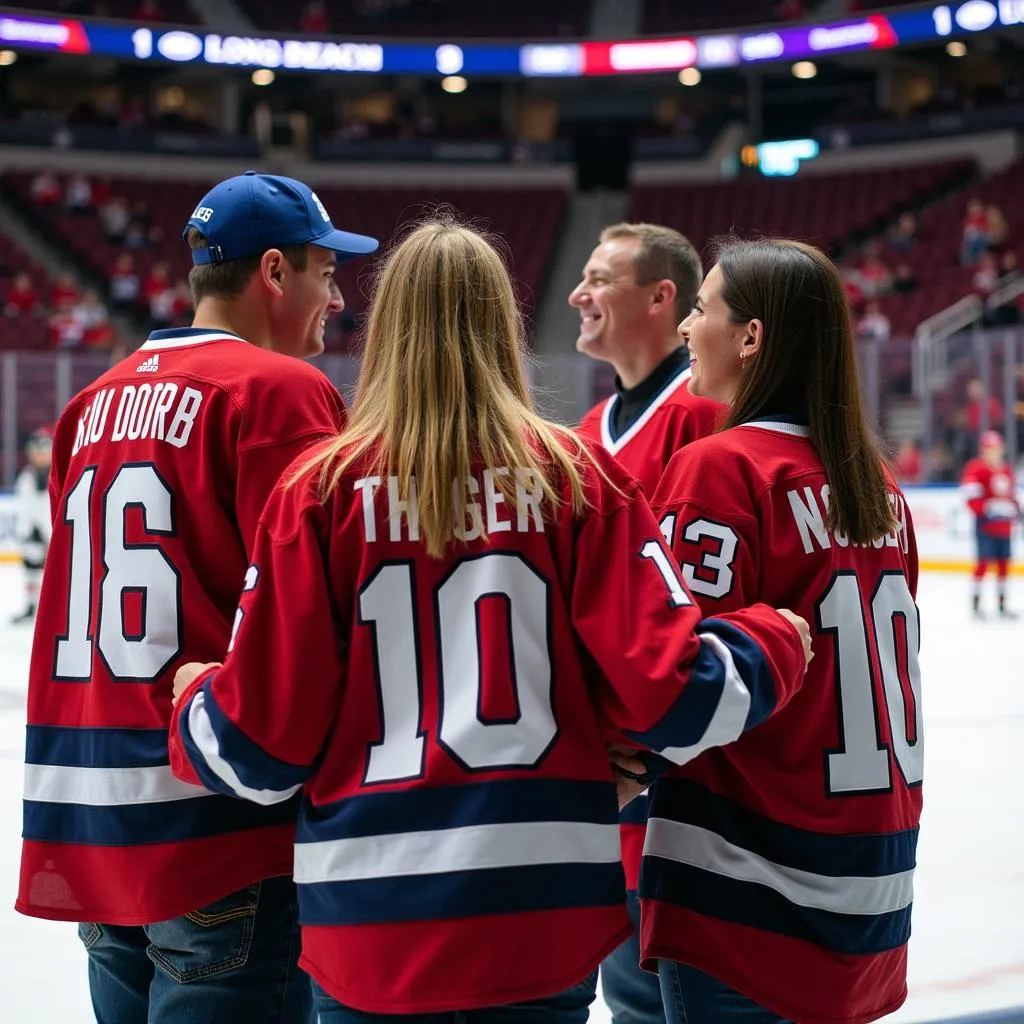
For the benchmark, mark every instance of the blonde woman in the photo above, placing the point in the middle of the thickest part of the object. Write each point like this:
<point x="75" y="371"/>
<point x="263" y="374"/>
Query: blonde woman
<point x="452" y="607"/>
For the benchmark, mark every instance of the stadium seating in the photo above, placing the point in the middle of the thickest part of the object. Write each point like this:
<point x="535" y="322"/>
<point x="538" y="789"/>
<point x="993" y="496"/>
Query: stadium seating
<point x="174" y="12"/>
<point x="528" y="219"/>
<point x="27" y="331"/>
<point x="449" y="18"/>
<point x="828" y="210"/>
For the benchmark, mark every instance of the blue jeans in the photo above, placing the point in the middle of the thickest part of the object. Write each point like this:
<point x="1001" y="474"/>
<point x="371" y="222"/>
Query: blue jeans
<point x="633" y="995"/>
<point x="569" y="1007"/>
<point x="693" y="997"/>
<point x="235" y="960"/>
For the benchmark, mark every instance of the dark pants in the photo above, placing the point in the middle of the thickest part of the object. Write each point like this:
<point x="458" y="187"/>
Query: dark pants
<point x="235" y="960"/>
<point x="569" y="1007"/>
<point x="633" y="995"/>
<point x="693" y="997"/>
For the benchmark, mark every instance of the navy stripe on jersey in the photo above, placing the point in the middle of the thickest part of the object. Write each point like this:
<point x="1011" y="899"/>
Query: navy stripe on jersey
<point x="730" y="690"/>
<point x="139" y="824"/>
<point x="96" y="748"/>
<point x="758" y="906"/>
<point x="462" y="894"/>
<point x="635" y="812"/>
<point x="828" y="854"/>
<point x="504" y="801"/>
<point x="227" y="761"/>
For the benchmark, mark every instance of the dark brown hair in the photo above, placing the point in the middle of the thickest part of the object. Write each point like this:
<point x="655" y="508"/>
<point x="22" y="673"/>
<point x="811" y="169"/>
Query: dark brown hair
<point x="663" y="253"/>
<point x="807" y="366"/>
<point x="228" y="280"/>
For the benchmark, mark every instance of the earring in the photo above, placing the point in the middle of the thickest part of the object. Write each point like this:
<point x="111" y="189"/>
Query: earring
<point x="743" y="355"/>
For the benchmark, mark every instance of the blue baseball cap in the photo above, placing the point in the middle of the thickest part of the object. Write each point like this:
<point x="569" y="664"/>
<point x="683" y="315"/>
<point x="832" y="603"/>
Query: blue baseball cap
<point x="248" y="214"/>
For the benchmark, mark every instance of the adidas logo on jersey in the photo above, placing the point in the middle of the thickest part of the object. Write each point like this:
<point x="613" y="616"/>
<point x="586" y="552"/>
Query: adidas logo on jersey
<point x="151" y="365"/>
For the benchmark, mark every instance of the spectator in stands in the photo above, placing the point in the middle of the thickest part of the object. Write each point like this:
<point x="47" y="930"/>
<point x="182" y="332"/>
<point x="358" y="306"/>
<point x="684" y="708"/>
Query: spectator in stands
<point x="875" y="277"/>
<point x="66" y="329"/>
<point x="904" y="280"/>
<point x="909" y="465"/>
<point x="996" y="229"/>
<point x="115" y="218"/>
<point x="135" y="237"/>
<point x="974" y="240"/>
<point x="904" y="236"/>
<point x="941" y="465"/>
<point x="22" y="298"/>
<point x="985" y="277"/>
<point x="92" y="315"/>
<point x="149" y="10"/>
<point x="976" y="409"/>
<point x="78" y="193"/>
<point x="124" y="282"/>
<point x="852" y="287"/>
<point x="45" y="189"/>
<point x="314" y="18"/>
<point x="874" y="325"/>
<point x="65" y="289"/>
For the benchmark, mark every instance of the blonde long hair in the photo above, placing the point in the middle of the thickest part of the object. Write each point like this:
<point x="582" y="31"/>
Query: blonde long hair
<point x="442" y="387"/>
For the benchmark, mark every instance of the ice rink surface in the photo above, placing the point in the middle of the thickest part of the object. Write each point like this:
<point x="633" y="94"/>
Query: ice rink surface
<point x="967" y="950"/>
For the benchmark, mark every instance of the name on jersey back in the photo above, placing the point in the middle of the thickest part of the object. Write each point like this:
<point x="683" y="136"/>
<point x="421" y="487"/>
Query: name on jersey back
<point x="400" y="518"/>
<point x="163" y="411"/>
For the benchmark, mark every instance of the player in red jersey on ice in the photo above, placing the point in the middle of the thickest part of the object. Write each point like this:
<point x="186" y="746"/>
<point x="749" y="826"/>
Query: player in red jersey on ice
<point x="429" y="651"/>
<point x="777" y="873"/>
<point x="161" y="469"/>
<point x="988" y="486"/>
<point x="638" y="284"/>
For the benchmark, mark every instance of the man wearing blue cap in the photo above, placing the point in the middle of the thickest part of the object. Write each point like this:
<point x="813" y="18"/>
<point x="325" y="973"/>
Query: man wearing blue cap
<point x="161" y="468"/>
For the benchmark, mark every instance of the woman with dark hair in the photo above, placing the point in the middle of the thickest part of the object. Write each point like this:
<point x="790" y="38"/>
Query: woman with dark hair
<point x="777" y="878"/>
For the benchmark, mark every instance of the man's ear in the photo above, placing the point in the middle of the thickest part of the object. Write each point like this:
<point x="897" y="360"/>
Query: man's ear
<point x="664" y="294"/>
<point x="272" y="271"/>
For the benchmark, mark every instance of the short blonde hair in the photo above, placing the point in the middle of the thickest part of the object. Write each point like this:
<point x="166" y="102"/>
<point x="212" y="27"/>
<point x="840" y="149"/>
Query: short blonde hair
<point x="443" y="388"/>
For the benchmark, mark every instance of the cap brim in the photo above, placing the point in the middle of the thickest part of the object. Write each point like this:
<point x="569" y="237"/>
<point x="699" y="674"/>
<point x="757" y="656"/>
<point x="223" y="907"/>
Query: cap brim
<point x="346" y="244"/>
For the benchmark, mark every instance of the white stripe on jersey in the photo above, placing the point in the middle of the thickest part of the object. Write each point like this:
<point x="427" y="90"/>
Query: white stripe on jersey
<point x="615" y="446"/>
<point x="469" y="848"/>
<point x="193" y="339"/>
<point x="793" y="429"/>
<point x="701" y="848"/>
<point x="106" y="787"/>
<point x="730" y="716"/>
<point x="201" y="729"/>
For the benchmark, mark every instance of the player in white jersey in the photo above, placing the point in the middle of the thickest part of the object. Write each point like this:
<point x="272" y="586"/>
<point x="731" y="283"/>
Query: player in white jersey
<point x="33" y="510"/>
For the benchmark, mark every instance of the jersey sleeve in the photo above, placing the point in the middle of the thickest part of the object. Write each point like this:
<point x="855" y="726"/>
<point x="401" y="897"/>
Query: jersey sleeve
<point x="713" y="539"/>
<point x="289" y="415"/>
<point x="253" y="727"/>
<point x="669" y="682"/>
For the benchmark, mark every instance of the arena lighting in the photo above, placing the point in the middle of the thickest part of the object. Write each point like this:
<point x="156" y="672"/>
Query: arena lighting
<point x="956" y="49"/>
<point x="263" y="76"/>
<point x="782" y="159"/>
<point x="804" y="69"/>
<point x="689" y="76"/>
<point x="7" y="57"/>
<point x="454" y="84"/>
<point x="926" y="23"/>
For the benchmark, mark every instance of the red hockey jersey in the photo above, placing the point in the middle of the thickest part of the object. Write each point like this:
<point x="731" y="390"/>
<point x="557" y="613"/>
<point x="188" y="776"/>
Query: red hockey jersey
<point x="672" y="418"/>
<point x="160" y="471"/>
<point x="458" y="843"/>
<point x="992" y="496"/>
<point x="783" y="863"/>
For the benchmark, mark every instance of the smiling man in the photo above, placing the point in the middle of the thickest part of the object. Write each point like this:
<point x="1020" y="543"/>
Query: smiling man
<point x="639" y="283"/>
<point x="161" y="469"/>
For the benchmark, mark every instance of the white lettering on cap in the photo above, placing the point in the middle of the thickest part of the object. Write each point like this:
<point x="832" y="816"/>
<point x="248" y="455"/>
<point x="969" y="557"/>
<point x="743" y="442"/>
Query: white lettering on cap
<point x="320" y="207"/>
<point x="203" y="213"/>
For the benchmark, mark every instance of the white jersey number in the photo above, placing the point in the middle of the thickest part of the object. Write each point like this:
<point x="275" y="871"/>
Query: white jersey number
<point x="717" y="565"/>
<point x="861" y="764"/>
<point x="141" y="569"/>
<point x="387" y="604"/>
